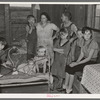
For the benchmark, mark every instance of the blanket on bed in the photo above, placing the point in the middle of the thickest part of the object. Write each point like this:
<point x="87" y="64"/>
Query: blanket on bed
<point x="21" y="77"/>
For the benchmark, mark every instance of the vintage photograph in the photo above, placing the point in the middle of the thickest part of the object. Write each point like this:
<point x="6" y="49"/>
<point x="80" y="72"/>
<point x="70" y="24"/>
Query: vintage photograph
<point x="50" y="48"/>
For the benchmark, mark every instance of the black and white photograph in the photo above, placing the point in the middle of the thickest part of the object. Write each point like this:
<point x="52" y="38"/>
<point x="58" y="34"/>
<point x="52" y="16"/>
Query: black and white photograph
<point x="50" y="48"/>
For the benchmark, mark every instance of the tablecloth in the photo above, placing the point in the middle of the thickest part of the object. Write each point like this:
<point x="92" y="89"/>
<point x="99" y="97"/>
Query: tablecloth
<point x="91" y="78"/>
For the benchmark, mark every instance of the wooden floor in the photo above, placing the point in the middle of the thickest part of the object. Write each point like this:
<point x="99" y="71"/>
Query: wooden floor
<point x="43" y="88"/>
<point x="74" y="92"/>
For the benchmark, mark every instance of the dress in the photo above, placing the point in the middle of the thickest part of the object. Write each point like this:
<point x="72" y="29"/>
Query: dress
<point x="71" y="29"/>
<point x="85" y="49"/>
<point x="44" y="35"/>
<point x="58" y="66"/>
<point x="71" y="34"/>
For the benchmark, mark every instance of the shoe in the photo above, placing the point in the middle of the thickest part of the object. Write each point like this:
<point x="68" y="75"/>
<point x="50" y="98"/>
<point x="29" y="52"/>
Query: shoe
<point x="51" y="87"/>
<point x="69" y="91"/>
<point x="61" y="90"/>
<point x="64" y="86"/>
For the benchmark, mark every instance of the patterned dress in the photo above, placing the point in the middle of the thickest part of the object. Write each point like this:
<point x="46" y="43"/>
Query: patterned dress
<point x="58" y="67"/>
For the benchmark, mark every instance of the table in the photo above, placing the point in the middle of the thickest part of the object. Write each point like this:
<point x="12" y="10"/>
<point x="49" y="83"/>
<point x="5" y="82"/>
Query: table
<point x="91" y="78"/>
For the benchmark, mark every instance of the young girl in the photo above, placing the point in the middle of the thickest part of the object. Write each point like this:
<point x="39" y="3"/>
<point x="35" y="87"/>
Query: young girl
<point x="61" y="49"/>
<point x="41" y="59"/>
<point x="33" y="65"/>
<point x="89" y="53"/>
<point x="31" y="36"/>
<point x="78" y="43"/>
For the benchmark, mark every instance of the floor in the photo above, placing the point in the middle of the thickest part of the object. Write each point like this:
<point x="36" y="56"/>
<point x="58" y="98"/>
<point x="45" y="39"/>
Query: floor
<point x="74" y="91"/>
<point x="32" y="89"/>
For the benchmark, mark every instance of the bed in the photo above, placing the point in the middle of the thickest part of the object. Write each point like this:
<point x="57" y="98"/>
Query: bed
<point x="21" y="79"/>
<point x="24" y="80"/>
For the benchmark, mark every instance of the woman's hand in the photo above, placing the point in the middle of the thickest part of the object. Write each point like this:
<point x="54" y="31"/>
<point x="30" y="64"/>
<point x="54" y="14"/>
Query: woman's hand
<point x="30" y="30"/>
<point x="62" y="52"/>
<point x="73" y="58"/>
<point x="73" y="64"/>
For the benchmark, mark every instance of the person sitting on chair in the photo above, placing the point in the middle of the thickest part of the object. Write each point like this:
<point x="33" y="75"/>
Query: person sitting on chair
<point x="88" y="55"/>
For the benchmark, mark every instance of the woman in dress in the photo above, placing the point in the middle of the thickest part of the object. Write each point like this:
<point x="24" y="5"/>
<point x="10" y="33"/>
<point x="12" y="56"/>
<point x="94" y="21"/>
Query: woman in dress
<point x="89" y="53"/>
<point x="72" y="29"/>
<point x="45" y="34"/>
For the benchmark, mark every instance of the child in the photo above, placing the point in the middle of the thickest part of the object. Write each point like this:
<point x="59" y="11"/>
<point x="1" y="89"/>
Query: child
<point x="3" y="55"/>
<point x="62" y="51"/>
<point x="78" y="43"/>
<point x="31" y="37"/>
<point x="23" y="48"/>
<point x="27" y="68"/>
<point x="33" y="65"/>
<point x="41" y="59"/>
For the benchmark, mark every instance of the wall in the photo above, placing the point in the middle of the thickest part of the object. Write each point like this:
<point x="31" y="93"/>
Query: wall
<point x="79" y="13"/>
<point x="13" y="21"/>
<point x="18" y="21"/>
<point x="2" y="20"/>
<point x="54" y="12"/>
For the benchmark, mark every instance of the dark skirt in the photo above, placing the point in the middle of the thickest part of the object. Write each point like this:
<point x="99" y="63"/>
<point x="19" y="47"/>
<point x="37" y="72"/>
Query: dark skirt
<point x="78" y="68"/>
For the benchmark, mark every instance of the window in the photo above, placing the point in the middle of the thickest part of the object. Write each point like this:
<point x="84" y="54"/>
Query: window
<point x="97" y="17"/>
<point x="20" y="5"/>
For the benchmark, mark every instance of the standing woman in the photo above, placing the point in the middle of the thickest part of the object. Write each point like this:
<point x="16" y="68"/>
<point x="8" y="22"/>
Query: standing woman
<point x="71" y="27"/>
<point x="31" y="36"/>
<point x="89" y="53"/>
<point x="45" y="34"/>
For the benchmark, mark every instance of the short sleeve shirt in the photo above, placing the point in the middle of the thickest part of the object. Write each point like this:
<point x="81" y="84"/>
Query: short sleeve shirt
<point x="47" y="31"/>
<point x="73" y="28"/>
<point x="79" y="42"/>
<point x="86" y="49"/>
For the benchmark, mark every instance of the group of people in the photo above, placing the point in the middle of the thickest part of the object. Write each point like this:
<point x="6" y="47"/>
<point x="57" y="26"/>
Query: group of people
<point x="68" y="47"/>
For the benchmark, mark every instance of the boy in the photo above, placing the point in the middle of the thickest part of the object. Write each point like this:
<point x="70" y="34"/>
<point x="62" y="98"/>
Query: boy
<point x="3" y="54"/>
<point x="33" y="65"/>
<point x="31" y="37"/>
